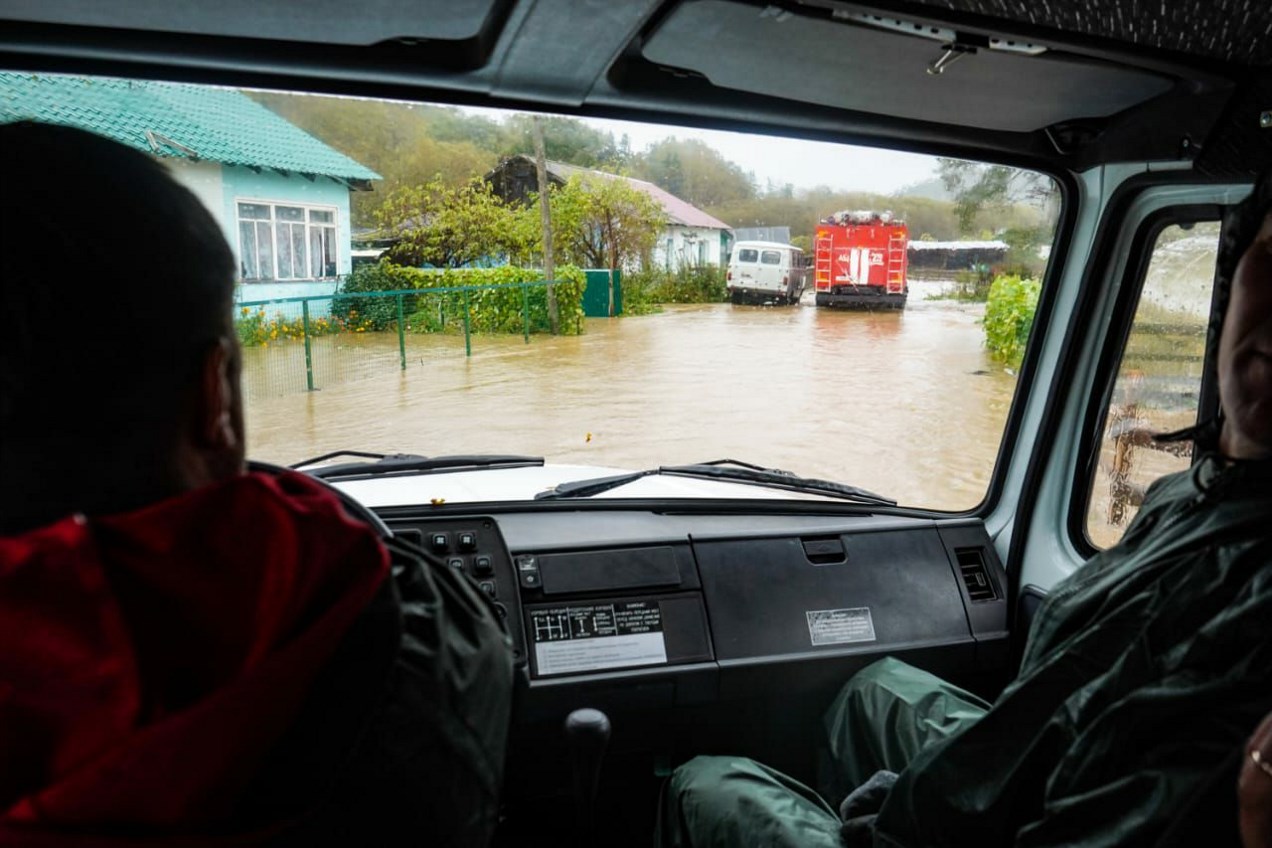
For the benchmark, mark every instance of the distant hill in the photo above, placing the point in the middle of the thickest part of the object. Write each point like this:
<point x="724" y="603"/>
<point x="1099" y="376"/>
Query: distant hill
<point x="932" y="189"/>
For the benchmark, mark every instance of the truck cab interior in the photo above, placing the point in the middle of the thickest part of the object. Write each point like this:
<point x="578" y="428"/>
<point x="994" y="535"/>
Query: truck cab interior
<point x="1151" y="119"/>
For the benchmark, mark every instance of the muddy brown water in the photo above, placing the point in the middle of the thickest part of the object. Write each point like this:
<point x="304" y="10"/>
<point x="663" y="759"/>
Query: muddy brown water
<point x="906" y="403"/>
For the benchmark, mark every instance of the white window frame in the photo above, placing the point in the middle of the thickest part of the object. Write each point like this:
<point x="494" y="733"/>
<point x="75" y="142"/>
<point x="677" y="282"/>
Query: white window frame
<point x="273" y="224"/>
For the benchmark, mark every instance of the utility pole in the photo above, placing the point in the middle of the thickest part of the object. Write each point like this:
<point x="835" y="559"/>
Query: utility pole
<point x="545" y="217"/>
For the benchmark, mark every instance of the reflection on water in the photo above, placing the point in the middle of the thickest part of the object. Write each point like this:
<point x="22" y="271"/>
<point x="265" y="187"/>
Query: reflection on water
<point x="904" y="403"/>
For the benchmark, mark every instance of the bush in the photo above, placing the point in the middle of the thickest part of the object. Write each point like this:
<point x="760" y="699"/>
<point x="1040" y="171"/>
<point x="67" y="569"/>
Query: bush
<point x="639" y="297"/>
<point x="490" y="310"/>
<point x="1009" y="315"/>
<point x="257" y="329"/>
<point x="644" y="290"/>
<point x="380" y="313"/>
<point x="500" y="310"/>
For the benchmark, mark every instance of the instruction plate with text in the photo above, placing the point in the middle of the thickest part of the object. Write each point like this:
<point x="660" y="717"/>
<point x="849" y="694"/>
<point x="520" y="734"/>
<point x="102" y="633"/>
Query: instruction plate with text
<point x="594" y="637"/>
<point x="840" y="626"/>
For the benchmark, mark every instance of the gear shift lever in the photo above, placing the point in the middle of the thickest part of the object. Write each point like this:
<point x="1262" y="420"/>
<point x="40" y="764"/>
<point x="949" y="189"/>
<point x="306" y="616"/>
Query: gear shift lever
<point x="587" y="732"/>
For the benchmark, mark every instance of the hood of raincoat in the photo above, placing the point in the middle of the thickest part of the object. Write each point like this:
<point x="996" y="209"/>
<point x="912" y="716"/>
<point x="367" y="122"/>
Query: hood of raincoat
<point x="149" y="660"/>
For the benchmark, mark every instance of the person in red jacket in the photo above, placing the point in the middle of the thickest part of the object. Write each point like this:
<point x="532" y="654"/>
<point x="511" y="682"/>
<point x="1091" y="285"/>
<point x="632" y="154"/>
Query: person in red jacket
<point x="191" y="653"/>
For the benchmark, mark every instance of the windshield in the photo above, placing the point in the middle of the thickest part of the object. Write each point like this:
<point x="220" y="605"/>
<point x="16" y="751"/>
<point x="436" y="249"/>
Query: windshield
<point x="405" y="287"/>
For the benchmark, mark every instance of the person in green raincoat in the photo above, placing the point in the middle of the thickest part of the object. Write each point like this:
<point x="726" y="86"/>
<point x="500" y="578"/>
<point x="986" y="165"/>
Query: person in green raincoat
<point x="1144" y="673"/>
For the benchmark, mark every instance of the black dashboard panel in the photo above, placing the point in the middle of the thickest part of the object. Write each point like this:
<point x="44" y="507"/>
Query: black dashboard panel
<point x="706" y="633"/>
<point x="768" y="598"/>
<point x="695" y="608"/>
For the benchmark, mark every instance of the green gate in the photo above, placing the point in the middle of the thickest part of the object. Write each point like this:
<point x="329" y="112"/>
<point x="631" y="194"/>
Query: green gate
<point x="596" y="298"/>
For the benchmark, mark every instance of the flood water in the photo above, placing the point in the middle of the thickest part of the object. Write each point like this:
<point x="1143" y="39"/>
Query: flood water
<point x="907" y="404"/>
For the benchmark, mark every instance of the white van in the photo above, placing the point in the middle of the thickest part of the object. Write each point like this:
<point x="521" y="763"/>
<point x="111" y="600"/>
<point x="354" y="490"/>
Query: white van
<point x="766" y="272"/>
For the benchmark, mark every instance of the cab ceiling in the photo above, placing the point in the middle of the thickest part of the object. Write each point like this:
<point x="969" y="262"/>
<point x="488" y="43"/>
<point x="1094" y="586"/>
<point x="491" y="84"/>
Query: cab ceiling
<point x="1230" y="31"/>
<point x="1108" y="86"/>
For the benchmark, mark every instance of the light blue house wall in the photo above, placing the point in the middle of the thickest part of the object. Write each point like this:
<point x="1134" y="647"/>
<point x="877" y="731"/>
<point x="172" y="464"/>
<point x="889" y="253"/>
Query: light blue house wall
<point x="244" y="184"/>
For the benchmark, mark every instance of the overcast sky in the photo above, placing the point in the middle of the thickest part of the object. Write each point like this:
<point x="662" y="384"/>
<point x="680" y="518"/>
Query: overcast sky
<point x="805" y="164"/>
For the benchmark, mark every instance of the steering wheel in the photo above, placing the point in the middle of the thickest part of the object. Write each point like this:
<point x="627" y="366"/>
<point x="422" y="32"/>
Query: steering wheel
<point x="354" y="507"/>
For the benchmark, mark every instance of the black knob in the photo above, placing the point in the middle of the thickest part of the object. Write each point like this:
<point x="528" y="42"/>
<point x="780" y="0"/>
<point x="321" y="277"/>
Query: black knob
<point x="587" y="732"/>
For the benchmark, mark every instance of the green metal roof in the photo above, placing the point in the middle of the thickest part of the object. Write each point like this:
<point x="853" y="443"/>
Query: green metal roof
<point x="177" y="120"/>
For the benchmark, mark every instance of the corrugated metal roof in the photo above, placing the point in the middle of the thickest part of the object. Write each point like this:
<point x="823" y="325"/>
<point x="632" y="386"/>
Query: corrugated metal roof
<point x="679" y="212"/>
<point x="176" y="120"/>
<point x="958" y="245"/>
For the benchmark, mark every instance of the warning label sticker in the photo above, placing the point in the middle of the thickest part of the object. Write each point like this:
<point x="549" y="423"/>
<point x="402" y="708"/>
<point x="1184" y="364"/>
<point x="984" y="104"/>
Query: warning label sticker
<point x="837" y="627"/>
<point x="596" y="637"/>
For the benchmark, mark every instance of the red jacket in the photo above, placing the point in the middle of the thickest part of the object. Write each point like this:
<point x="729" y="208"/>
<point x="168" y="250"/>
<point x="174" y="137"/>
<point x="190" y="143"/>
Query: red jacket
<point x="148" y="661"/>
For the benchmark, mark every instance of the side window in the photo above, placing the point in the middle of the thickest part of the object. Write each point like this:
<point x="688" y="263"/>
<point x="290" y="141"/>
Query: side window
<point x="1158" y="382"/>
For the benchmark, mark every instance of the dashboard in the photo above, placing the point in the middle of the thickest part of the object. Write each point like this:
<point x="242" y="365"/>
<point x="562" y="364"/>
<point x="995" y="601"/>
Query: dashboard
<point x="631" y="611"/>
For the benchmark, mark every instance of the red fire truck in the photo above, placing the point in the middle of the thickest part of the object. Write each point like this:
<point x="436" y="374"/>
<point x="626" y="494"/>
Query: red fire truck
<point x="860" y="261"/>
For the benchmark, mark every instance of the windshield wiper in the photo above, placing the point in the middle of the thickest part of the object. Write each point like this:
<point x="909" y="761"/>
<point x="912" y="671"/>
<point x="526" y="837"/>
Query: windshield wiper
<point x="314" y="460"/>
<point x="729" y="470"/>
<point x="406" y="463"/>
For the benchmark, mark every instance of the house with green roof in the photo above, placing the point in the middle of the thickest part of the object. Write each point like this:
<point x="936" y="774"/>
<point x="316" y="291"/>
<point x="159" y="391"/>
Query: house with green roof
<point x="280" y="195"/>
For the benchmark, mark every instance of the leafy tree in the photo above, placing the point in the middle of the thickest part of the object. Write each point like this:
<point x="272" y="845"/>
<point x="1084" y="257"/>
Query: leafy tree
<point x="1022" y="250"/>
<point x="566" y="140"/>
<point x="694" y="171"/>
<point x="663" y="168"/>
<point x="446" y="123"/>
<point x="449" y="227"/>
<point x="977" y="186"/>
<point x="603" y="222"/>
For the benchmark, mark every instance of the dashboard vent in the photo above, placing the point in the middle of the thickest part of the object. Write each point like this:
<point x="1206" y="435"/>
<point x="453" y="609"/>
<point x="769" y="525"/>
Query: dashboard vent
<point x="971" y="564"/>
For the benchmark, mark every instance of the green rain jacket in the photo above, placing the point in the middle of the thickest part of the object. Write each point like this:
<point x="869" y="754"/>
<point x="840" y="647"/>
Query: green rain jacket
<point x="1144" y="671"/>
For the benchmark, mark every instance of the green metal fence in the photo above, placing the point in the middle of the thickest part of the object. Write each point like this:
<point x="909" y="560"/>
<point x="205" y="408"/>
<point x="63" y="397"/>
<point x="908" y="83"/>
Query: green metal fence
<point x="296" y="343"/>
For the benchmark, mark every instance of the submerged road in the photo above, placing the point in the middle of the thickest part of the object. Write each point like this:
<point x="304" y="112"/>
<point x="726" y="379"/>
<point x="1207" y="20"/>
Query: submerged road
<point x="907" y="404"/>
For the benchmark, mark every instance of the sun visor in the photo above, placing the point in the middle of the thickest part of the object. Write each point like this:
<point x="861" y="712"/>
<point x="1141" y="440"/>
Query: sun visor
<point x="847" y="65"/>
<point x="315" y="21"/>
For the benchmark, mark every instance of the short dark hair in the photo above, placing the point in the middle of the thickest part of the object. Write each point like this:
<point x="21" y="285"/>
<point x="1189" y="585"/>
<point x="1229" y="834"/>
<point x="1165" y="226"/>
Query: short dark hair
<point x="1240" y="226"/>
<point x="113" y="279"/>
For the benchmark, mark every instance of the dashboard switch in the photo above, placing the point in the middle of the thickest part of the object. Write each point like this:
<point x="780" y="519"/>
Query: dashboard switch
<point x="467" y="541"/>
<point x="482" y="565"/>
<point x="528" y="572"/>
<point x="456" y="563"/>
<point x="440" y="542"/>
<point x="488" y="586"/>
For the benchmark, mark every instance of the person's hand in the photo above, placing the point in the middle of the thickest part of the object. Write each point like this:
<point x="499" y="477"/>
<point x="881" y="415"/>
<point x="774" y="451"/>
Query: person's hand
<point x="1254" y="788"/>
<point x="859" y="809"/>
